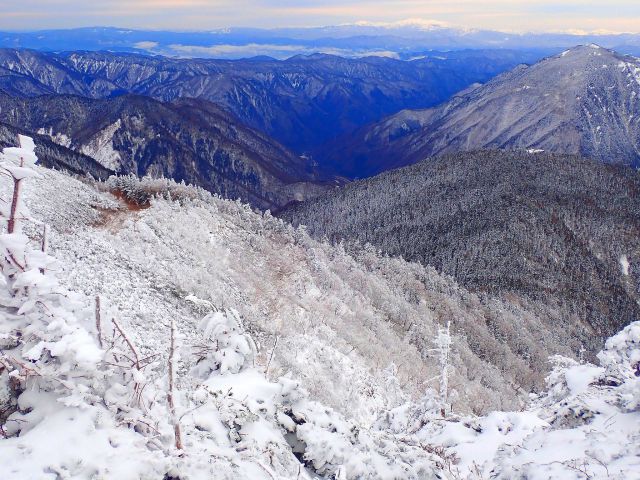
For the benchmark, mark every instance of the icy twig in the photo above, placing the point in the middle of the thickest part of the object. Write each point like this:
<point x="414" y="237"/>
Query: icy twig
<point x="170" y="393"/>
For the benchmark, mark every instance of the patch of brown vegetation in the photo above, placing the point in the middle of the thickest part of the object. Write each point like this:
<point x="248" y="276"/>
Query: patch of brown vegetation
<point x="128" y="202"/>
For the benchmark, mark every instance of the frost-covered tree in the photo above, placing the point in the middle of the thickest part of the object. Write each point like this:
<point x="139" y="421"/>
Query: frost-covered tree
<point x="45" y="346"/>
<point x="621" y="360"/>
<point x="51" y="339"/>
<point x="442" y="349"/>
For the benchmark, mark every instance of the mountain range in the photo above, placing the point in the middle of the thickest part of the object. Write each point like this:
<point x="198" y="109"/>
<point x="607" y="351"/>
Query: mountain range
<point x="301" y="102"/>
<point x="370" y="327"/>
<point x="404" y="39"/>
<point x="57" y="156"/>
<point x="189" y="140"/>
<point x="584" y="101"/>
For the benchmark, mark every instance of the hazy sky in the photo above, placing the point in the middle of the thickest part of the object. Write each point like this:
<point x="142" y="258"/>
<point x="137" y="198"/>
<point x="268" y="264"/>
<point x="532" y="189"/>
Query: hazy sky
<point x="509" y="15"/>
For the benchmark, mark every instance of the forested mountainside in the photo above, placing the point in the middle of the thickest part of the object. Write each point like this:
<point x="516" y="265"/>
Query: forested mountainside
<point x="554" y="230"/>
<point x="190" y="337"/>
<point x="301" y="102"/>
<point x="188" y="140"/>
<point x="584" y="101"/>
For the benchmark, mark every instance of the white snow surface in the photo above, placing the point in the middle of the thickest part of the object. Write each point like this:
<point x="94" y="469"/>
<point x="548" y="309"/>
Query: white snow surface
<point x="303" y="336"/>
<point x="100" y="148"/>
<point x="586" y="426"/>
<point x="625" y="265"/>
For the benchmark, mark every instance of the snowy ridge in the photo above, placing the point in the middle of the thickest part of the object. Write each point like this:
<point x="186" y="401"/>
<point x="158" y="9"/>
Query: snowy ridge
<point x="284" y="355"/>
<point x="582" y="101"/>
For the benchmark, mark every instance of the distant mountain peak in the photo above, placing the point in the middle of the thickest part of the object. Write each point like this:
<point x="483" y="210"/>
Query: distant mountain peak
<point x="583" y="101"/>
<point x="590" y="49"/>
<point x="417" y="23"/>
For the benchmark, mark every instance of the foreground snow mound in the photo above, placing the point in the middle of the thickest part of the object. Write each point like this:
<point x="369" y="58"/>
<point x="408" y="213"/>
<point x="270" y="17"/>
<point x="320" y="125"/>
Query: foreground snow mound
<point x="586" y="426"/>
<point x="79" y="443"/>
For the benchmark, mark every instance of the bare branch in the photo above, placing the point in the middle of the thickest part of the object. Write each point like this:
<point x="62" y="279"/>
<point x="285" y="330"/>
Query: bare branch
<point x="124" y="336"/>
<point x="170" y="393"/>
<point x="98" y="321"/>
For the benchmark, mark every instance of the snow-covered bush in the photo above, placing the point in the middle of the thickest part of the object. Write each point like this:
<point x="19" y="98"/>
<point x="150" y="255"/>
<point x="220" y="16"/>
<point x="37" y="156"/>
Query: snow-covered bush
<point x="412" y="415"/>
<point x="140" y="191"/>
<point x="621" y="360"/>
<point x="54" y="375"/>
<point x="556" y="382"/>
<point x="259" y="415"/>
<point x="227" y="349"/>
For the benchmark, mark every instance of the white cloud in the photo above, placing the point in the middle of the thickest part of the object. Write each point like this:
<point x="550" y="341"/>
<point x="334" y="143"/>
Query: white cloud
<point x="248" y="50"/>
<point x="146" y="45"/>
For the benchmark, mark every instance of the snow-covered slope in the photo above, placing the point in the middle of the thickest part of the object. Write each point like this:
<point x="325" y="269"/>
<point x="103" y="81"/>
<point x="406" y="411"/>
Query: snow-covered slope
<point x="338" y="319"/>
<point x="291" y="358"/>
<point x="146" y="388"/>
<point x="585" y="426"/>
<point x="545" y="227"/>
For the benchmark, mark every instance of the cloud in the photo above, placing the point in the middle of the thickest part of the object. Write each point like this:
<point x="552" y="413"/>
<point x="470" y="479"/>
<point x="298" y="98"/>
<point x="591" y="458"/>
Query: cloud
<point x="146" y="45"/>
<point x="237" y="51"/>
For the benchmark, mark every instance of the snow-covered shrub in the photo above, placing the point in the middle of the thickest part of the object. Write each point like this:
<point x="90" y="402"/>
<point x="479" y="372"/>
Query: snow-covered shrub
<point x="54" y="375"/>
<point x="566" y="384"/>
<point x="621" y="360"/>
<point x="332" y="445"/>
<point x="278" y="417"/>
<point x="411" y="416"/>
<point x="227" y="349"/>
<point x="140" y="191"/>
<point x="257" y="415"/>
<point x="556" y="382"/>
<point x="129" y="187"/>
